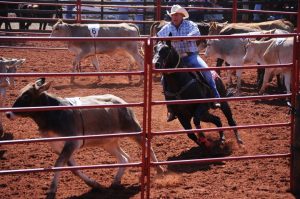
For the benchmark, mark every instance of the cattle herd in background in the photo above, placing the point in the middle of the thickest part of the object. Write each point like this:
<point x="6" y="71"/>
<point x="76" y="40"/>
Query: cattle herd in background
<point x="29" y="11"/>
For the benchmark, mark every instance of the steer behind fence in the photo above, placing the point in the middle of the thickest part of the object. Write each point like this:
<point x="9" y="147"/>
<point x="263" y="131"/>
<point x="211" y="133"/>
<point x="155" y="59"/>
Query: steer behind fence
<point x="79" y="122"/>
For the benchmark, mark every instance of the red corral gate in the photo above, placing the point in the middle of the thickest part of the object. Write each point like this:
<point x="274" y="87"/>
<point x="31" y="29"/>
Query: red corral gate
<point x="148" y="103"/>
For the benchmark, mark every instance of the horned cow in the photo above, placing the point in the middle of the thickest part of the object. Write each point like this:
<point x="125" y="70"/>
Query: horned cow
<point x="7" y="65"/>
<point x="79" y="122"/>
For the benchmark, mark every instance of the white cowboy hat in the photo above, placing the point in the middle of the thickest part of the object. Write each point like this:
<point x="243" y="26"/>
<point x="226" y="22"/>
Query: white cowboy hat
<point x="178" y="9"/>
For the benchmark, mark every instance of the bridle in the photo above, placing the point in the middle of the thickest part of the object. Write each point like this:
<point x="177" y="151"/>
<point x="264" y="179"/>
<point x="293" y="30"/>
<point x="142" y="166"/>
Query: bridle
<point x="177" y="94"/>
<point x="167" y="58"/>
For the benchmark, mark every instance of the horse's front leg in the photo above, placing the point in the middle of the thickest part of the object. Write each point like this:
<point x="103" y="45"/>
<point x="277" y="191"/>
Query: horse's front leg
<point x="228" y="114"/>
<point x="216" y="121"/>
<point x="185" y="122"/>
<point x="63" y="158"/>
<point x="200" y="111"/>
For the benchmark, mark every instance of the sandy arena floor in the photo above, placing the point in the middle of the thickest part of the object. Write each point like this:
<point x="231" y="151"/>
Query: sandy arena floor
<point x="263" y="178"/>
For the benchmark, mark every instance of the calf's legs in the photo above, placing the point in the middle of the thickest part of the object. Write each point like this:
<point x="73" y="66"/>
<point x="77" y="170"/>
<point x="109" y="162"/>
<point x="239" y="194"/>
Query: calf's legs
<point x="87" y="180"/>
<point x="115" y="150"/>
<point x="63" y="158"/>
<point x="96" y="65"/>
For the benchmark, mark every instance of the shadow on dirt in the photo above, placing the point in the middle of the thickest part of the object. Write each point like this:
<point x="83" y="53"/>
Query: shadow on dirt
<point x="272" y="102"/>
<point x="123" y="192"/>
<point x="198" y="153"/>
<point x="5" y="136"/>
<point x="248" y="88"/>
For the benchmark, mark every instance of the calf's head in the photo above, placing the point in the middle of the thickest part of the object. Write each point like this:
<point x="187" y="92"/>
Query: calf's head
<point x="252" y="54"/>
<point x="9" y="66"/>
<point x="60" y="29"/>
<point x="210" y="49"/>
<point x="32" y="95"/>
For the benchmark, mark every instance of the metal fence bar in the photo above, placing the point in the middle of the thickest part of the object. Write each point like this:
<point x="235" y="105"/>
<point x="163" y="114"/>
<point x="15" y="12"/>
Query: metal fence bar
<point x="213" y="160"/>
<point x="227" y="128"/>
<point x="53" y="169"/>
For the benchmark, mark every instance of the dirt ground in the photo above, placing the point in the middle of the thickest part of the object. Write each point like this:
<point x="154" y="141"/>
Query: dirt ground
<point x="260" y="178"/>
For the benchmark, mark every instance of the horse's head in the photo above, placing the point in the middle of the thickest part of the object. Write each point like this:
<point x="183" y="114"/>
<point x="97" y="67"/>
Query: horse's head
<point x="165" y="56"/>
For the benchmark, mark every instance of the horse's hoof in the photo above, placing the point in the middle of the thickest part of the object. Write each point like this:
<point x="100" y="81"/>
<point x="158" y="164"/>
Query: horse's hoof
<point x="161" y="170"/>
<point x="50" y="195"/>
<point x="240" y="142"/>
<point x="204" y="144"/>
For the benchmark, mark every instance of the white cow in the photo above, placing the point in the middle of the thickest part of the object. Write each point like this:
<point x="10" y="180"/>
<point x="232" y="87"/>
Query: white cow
<point x="233" y="51"/>
<point x="83" y="49"/>
<point x="230" y="50"/>
<point x="273" y="51"/>
<point x="7" y="66"/>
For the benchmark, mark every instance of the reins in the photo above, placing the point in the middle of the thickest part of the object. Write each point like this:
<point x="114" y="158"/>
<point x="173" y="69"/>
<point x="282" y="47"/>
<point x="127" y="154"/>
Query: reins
<point x="167" y="57"/>
<point x="177" y="94"/>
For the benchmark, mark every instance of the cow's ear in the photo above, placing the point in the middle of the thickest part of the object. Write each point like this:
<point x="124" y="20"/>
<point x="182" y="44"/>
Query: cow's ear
<point x="40" y="81"/>
<point x="60" y="21"/>
<point x="45" y="87"/>
<point x="41" y="86"/>
<point x="168" y="42"/>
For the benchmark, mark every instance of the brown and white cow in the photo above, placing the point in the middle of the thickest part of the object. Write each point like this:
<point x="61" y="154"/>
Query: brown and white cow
<point x="84" y="49"/>
<point x="233" y="28"/>
<point x="7" y="66"/>
<point x="273" y="51"/>
<point x="79" y="122"/>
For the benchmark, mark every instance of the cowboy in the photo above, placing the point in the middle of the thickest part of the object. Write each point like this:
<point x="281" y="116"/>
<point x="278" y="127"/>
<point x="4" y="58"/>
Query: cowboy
<point x="188" y="50"/>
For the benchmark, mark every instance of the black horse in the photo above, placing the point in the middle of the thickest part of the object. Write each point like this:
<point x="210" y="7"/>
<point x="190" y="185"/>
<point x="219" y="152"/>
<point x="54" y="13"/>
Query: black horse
<point x="187" y="85"/>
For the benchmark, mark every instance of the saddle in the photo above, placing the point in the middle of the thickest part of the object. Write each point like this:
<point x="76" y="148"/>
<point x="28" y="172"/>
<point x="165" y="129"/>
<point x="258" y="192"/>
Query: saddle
<point x="196" y="77"/>
<point x="202" y="80"/>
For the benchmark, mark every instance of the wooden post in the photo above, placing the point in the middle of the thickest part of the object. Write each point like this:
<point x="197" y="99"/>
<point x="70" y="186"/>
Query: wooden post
<point x="295" y="156"/>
